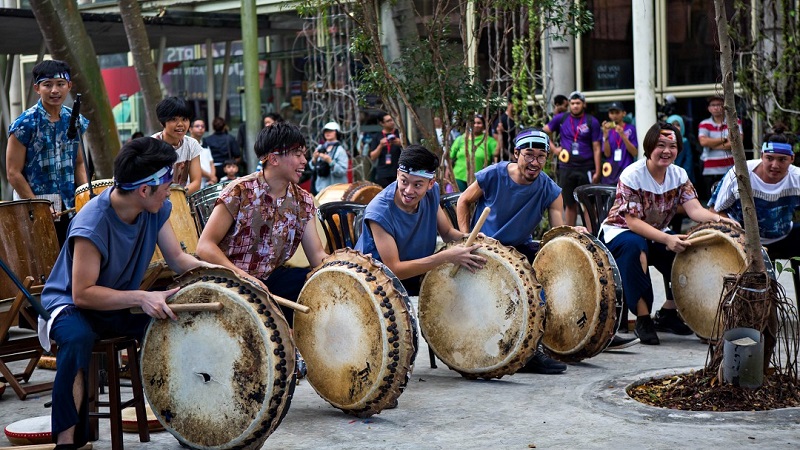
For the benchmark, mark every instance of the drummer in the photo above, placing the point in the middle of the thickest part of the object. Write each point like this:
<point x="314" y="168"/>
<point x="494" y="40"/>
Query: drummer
<point x="260" y="219"/>
<point x="114" y="237"/>
<point x="636" y="230"/>
<point x="776" y="192"/>
<point x="518" y="193"/>
<point x="401" y="222"/>
<point x="41" y="160"/>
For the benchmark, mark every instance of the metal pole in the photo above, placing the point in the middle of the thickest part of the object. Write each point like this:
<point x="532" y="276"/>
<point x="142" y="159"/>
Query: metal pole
<point x="210" y="80"/>
<point x="644" y="82"/>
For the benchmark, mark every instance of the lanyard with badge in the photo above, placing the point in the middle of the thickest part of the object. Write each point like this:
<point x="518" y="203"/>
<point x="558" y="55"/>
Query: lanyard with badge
<point x="575" y="131"/>
<point x="618" y="148"/>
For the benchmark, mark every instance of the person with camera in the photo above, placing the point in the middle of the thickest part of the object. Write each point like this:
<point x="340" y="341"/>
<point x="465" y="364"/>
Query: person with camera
<point x="330" y="160"/>
<point x="385" y="150"/>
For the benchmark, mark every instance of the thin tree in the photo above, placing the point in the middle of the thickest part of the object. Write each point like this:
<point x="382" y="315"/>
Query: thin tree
<point x="139" y="45"/>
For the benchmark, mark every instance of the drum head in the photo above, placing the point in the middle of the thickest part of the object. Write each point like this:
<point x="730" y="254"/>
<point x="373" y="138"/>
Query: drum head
<point x="578" y="278"/>
<point x="31" y="431"/>
<point x="698" y="275"/>
<point x="359" y="340"/>
<point x="220" y="379"/>
<point x="485" y="324"/>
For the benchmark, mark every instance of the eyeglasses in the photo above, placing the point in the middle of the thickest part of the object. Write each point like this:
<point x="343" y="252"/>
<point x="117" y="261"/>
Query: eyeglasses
<point x="529" y="158"/>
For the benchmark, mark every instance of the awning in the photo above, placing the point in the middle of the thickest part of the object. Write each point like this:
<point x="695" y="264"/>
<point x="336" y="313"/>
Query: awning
<point x="108" y="35"/>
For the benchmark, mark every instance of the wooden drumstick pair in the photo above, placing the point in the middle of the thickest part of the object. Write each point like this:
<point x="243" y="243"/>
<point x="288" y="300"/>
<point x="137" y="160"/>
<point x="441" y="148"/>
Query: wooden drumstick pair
<point x="473" y="235"/>
<point x="217" y="306"/>
<point x="66" y="211"/>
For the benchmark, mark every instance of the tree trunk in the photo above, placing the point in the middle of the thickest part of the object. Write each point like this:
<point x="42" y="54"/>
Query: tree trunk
<point x="755" y="261"/>
<point x="62" y="27"/>
<point x="142" y="61"/>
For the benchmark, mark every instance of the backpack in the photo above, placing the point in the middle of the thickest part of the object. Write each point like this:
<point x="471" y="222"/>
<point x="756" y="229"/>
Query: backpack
<point x="589" y="120"/>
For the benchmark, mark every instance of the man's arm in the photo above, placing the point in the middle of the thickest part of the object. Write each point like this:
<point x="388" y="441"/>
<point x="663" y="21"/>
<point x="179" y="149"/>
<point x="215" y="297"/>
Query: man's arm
<point x="15" y="165"/>
<point x="469" y="197"/>
<point x="312" y="244"/>
<point x="597" y="171"/>
<point x="556" y="210"/>
<point x="215" y="230"/>
<point x="80" y="168"/>
<point x="176" y="258"/>
<point x="88" y="295"/>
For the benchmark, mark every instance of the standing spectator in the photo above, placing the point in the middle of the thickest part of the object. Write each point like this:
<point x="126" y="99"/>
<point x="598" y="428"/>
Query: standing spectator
<point x="206" y="159"/>
<point x="223" y="146"/>
<point x="620" y="146"/>
<point x="330" y="160"/>
<point x="175" y="114"/>
<point x="504" y="130"/>
<point x="477" y="142"/>
<point x="41" y="161"/>
<point x="578" y="151"/>
<point x="560" y="104"/>
<point x="713" y="136"/>
<point x="272" y="118"/>
<point x="385" y="149"/>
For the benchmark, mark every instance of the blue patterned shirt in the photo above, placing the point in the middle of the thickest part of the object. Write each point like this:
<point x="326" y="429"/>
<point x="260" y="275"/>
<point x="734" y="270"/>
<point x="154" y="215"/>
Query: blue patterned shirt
<point x="50" y="158"/>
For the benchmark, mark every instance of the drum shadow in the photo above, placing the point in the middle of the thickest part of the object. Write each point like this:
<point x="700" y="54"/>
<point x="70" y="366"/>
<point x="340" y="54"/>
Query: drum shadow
<point x="329" y="412"/>
<point x="448" y="379"/>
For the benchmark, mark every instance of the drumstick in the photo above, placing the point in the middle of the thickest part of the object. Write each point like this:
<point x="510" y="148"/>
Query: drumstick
<point x="188" y="307"/>
<point x="66" y="211"/>
<point x="290" y="304"/>
<point x="473" y="235"/>
<point x="705" y="239"/>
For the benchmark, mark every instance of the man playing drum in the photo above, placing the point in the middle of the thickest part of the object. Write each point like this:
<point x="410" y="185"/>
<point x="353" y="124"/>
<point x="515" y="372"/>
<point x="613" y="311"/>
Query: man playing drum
<point x="400" y="223"/>
<point x="636" y="229"/>
<point x="260" y="219"/>
<point x="113" y="238"/>
<point x="776" y="192"/>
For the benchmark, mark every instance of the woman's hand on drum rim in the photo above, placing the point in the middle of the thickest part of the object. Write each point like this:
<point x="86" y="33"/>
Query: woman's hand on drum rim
<point x="461" y="255"/>
<point x="154" y="304"/>
<point x="677" y="243"/>
<point x="581" y="229"/>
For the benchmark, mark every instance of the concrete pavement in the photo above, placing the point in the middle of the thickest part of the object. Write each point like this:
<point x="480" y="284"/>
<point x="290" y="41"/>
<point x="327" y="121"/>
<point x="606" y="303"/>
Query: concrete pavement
<point x="585" y="407"/>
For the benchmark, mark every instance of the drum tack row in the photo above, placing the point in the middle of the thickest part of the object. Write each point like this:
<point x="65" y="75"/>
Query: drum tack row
<point x="359" y="335"/>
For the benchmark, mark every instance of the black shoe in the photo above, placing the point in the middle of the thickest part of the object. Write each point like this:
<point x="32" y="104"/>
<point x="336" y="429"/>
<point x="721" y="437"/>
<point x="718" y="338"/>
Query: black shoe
<point x="646" y="330"/>
<point x="541" y="363"/>
<point x="669" y="321"/>
<point x="619" y="342"/>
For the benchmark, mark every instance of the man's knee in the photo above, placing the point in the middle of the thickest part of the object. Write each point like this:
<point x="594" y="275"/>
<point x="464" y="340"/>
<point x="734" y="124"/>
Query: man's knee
<point x="643" y="261"/>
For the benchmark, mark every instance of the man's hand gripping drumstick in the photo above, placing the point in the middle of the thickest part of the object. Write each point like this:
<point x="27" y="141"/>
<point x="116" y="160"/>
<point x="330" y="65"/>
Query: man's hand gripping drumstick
<point x="473" y="235"/>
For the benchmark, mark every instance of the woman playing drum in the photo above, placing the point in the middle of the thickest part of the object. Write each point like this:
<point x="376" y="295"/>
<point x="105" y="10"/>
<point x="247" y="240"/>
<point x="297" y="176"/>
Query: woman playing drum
<point x="648" y="194"/>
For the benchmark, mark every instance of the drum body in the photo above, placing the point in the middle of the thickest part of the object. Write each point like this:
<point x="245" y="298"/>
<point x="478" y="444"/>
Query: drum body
<point x="181" y="221"/>
<point x="361" y="192"/>
<point x="485" y="324"/>
<point x="131" y="425"/>
<point x="31" y="431"/>
<point x="82" y="194"/>
<point x="698" y="274"/>
<point x="202" y="203"/>
<point x="582" y="288"/>
<point x="224" y="379"/>
<point x="359" y="341"/>
<point x="28" y="242"/>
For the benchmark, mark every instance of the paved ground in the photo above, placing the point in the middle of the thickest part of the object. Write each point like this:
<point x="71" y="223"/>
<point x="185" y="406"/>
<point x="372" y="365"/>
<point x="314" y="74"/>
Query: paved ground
<point x="583" y="408"/>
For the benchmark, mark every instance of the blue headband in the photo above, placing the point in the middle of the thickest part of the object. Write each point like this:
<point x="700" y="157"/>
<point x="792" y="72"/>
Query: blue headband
<point x="417" y="172"/>
<point x="777" y="147"/>
<point x="164" y="175"/>
<point x="47" y="76"/>
<point x="532" y="139"/>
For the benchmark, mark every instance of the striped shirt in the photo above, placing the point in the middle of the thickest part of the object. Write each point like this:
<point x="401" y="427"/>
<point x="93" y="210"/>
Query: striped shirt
<point x="715" y="161"/>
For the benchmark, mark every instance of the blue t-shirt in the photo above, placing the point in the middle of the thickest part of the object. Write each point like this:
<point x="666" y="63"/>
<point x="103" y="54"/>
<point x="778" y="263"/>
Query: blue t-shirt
<point x="125" y="249"/>
<point x="415" y="234"/>
<point x="516" y="209"/>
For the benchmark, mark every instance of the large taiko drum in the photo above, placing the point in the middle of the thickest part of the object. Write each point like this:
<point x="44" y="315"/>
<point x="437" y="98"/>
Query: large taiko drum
<point x="224" y="379"/>
<point x="28" y="242"/>
<point x="698" y="274"/>
<point x="485" y="324"/>
<point x="181" y="221"/>
<point x="82" y="194"/>
<point x="359" y="341"/>
<point x="361" y="192"/>
<point x="202" y="203"/>
<point x="582" y="288"/>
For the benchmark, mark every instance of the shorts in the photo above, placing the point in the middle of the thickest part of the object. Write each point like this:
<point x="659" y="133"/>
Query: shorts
<point x="570" y="178"/>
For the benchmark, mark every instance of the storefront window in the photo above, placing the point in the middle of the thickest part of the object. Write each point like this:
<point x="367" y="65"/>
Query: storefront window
<point x="607" y="51"/>
<point x="692" y="41"/>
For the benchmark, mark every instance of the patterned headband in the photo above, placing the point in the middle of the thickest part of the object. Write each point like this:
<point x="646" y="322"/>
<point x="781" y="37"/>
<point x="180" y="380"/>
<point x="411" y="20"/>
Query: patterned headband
<point x="777" y="147"/>
<point x="417" y="172"/>
<point x="164" y="175"/>
<point x="47" y="76"/>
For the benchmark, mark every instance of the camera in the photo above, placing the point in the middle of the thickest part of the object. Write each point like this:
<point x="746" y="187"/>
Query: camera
<point x="391" y="137"/>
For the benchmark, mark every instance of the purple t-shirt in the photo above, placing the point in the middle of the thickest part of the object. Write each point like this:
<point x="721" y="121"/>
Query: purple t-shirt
<point x="575" y="130"/>
<point x="620" y="156"/>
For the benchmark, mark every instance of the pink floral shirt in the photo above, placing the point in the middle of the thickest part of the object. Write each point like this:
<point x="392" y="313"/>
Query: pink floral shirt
<point x="266" y="231"/>
<point x="639" y="195"/>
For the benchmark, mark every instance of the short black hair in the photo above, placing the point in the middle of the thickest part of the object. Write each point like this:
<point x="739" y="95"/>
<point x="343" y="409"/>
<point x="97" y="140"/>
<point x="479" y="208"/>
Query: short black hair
<point x="651" y="137"/>
<point x="218" y="124"/>
<point x="280" y="137"/>
<point x="560" y="99"/>
<point x="49" y="68"/>
<point x="230" y="162"/>
<point x="172" y="107"/>
<point x="418" y="157"/>
<point x="142" y="157"/>
<point x="274" y="116"/>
